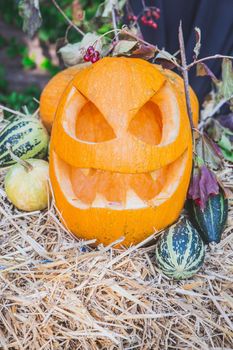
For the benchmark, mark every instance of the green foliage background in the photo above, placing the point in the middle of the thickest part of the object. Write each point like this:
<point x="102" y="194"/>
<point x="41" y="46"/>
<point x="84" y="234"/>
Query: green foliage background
<point x="53" y="27"/>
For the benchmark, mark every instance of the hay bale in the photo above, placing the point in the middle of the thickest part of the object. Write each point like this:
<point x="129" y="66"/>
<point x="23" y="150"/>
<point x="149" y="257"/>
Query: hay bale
<point x="59" y="293"/>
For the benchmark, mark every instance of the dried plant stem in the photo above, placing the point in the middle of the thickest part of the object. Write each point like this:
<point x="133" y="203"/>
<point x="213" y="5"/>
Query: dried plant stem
<point x="114" y="23"/>
<point x="12" y="111"/>
<point x="27" y="166"/>
<point x="125" y="32"/>
<point x="207" y="59"/>
<point x="67" y="19"/>
<point x="143" y="4"/>
<point x="185" y="76"/>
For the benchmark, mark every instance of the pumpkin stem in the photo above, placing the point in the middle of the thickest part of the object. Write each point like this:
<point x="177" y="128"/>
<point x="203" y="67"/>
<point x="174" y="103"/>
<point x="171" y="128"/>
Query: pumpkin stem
<point x="28" y="167"/>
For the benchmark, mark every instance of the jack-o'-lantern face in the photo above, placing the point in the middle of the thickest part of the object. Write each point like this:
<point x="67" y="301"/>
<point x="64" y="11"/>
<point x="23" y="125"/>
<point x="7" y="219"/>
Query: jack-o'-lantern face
<point x="121" y="150"/>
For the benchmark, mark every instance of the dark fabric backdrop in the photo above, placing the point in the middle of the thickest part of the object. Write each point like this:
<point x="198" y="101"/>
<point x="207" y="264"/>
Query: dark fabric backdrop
<point x="213" y="17"/>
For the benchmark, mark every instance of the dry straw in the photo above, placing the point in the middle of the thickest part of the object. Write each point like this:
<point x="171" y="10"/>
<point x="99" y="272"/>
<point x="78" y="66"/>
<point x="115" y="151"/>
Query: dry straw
<point x="59" y="293"/>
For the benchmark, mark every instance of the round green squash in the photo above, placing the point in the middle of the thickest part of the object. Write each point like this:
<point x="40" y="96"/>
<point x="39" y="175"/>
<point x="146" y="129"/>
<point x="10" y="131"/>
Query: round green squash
<point x="180" y="251"/>
<point x="210" y="222"/>
<point x="27" y="138"/>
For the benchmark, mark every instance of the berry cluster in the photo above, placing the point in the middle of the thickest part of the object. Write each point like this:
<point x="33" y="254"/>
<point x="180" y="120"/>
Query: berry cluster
<point x="150" y="16"/>
<point x="132" y="18"/>
<point x="91" y="55"/>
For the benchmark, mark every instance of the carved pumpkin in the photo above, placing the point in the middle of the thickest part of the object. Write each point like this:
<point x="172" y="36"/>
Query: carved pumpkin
<point x="121" y="150"/>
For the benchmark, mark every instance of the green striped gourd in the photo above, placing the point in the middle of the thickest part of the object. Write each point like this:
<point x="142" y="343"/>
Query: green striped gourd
<point x="209" y="222"/>
<point x="180" y="251"/>
<point x="27" y="138"/>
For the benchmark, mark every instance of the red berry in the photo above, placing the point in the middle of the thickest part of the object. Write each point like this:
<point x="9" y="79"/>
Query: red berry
<point x="155" y="25"/>
<point x="95" y="57"/>
<point x="87" y="58"/>
<point x="156" y="15"/>
<point x="150" y="22"/>
<point x="130" y="17"/>
<point x="90" y="50"/>
<point x="198" y="201"/>
<point x="134" y="18"/>
<point x="158" y="10"/>
<point x="144" y="20"/>
<point x="148" y="13"/>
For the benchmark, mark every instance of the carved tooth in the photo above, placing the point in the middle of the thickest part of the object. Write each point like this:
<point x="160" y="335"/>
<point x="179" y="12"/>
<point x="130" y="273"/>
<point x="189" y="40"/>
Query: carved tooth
<point x="133" y="201"/>
<point x="155" y="174"/>
<point x="85" y="171"/>
<point x="100" y="201"/>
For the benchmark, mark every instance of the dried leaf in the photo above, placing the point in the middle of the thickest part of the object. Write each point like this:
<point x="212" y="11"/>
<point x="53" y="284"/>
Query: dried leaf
<point x="226" y="86"/>
<point x="209" y="152"/>
<point x="124" y="47"/>
<point x="198" y="42"/>
<point x="128" y="33"/>
<point x="29" y="10"/>
<point x="203" y="185"/>
<point x="144" y="51"/>
<point x="222" y="93"/>
<point x="73" y="53"/>
<point x="223" y="136"/>
<point x="214" y="130"/>
<point x="203" y="70"/>
<point x="166" y="60"/>
<point x="226" y="120"/>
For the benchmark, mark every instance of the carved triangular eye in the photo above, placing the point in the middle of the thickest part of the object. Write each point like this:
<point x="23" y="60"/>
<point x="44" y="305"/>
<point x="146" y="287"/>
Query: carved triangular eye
<point x="91" y="125"/>
<point x="147" y="124"/>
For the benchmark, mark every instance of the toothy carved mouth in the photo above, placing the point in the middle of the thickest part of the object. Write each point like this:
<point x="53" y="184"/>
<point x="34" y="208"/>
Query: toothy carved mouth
<point x="93" y="186"/>
<point x="86" y="188"/>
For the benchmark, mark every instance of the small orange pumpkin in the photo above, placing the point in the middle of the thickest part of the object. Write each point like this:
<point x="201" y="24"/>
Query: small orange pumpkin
<point x="53" y="91"/>
<point x="121" y="150"/>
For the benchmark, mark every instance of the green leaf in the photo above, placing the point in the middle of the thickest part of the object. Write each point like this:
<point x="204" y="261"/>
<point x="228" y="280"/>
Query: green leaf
<point x="104" y="28"/>
<point x="225" y="143"/>
<point x="226" y="86"/>
<point x="29" y="10"/>
<point x="47" y="65"/>
<point x="28" y="62"/>
<point x="226" y="146"/>
<point x="228" y="155"/>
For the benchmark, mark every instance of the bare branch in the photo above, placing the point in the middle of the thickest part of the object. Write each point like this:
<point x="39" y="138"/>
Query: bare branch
<point x="67" y="19"/>
<point x="114" y="22"/>
<point x="143" y="4"/>
<point x="185" y="76"/>
<point x="206" y="59"/>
